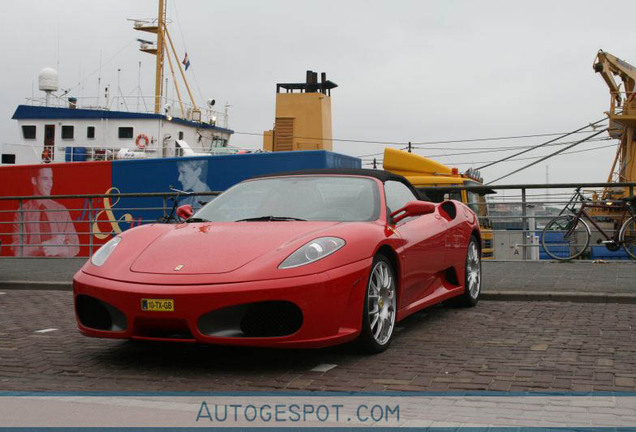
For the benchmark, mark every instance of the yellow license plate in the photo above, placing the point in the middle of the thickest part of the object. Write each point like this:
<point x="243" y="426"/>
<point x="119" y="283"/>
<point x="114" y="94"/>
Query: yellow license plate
<point x="157" y="305"/>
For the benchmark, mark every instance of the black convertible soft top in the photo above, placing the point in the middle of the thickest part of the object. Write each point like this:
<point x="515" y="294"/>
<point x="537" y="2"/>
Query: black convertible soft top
<point x="381" y="175"/>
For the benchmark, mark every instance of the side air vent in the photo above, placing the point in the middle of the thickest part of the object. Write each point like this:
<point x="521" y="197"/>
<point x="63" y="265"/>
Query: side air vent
<point x="451" y="276"/>
<point x="448" y="210"/>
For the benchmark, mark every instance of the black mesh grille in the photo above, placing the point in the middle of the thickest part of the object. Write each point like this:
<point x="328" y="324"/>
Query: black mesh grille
<point x="263" y="319"/>
<point x="99" y="315"/>
<point x="274" y="318"/>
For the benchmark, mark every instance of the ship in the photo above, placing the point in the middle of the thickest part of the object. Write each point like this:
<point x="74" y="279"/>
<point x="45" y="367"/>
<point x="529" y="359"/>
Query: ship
<point x="60" y="127"/>
<point x="93" y="150"/>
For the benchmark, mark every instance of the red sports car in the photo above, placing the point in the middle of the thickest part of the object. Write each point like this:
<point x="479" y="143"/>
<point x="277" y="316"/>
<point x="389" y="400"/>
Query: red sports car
<point x="304" y="259"/>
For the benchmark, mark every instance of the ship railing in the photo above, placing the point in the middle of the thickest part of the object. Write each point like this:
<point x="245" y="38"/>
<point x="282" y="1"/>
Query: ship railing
<point x="137" y="104"/>
<point x="512" y="218"/>
<point x="99" y="153"/>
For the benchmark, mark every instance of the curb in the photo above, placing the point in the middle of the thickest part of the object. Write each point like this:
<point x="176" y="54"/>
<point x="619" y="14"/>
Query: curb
<point x="575" y="297"/>
<point x="36" y="285"/>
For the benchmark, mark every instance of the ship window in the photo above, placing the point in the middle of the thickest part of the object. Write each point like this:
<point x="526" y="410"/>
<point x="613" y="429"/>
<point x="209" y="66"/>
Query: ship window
<point x="68" y="132"/>
<point x="219" y="142"/>
<point x="28" y="132"/>
<point x="125" y="132"/>
<point x="9" y="158"/>
<point x="90" y="132"/>
<point x="180" y="135"/>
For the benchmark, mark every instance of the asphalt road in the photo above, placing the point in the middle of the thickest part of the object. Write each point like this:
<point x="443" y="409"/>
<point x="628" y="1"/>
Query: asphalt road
<point x="499" y="345"/>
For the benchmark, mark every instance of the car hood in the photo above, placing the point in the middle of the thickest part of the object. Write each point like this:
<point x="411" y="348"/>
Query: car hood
<point x="215" y="248"/>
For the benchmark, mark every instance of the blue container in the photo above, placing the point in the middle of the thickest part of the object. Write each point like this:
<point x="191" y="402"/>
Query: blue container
<point x="551" y="238"/>
<point x="75" y="154"/>
<point x="601" y="252"/>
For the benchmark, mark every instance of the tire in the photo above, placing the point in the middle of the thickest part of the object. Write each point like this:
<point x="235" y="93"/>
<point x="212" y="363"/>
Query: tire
<point x="472" y="276"/>
<point x="562" y="241"/>
<point x="380" y="307"/>
<point x="628" y="237"/>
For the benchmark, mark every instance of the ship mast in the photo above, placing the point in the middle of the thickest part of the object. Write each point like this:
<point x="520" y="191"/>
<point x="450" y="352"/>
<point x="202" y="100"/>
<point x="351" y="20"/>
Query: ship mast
<point x="161" y="22"/>
<point x="157" y="27"/>
<point x="160" y="48"/>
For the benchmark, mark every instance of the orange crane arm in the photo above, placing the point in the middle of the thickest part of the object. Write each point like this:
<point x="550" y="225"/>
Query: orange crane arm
<point x="608" y="65"/>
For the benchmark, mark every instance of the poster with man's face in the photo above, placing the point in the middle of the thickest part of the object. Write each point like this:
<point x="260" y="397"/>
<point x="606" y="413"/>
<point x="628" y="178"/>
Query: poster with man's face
<point x="48" y="227"/>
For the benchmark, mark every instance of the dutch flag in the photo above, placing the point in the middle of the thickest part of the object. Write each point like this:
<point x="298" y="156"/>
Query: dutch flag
<point x="186" y="61"/>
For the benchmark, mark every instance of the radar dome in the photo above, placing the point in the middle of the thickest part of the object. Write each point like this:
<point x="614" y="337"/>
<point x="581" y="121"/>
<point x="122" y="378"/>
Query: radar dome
<point x="48" y="80"/>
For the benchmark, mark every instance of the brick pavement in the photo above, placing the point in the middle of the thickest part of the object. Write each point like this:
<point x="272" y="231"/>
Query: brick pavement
<point x="500" y="346"/>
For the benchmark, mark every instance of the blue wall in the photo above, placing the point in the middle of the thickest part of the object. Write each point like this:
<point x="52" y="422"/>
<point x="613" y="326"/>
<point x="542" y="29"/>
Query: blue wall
<point x="220" y="173"/>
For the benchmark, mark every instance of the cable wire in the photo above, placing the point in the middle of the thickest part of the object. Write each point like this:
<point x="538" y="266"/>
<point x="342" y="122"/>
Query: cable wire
<point x="185" y="49"/>
<point x="518" y="159"/>
<point x="548" y="156"/>
<point x="544" y="144"/>
<point x="508" y="149"/>
<point x="86" y="77"/>
<point x="405" y="143"/>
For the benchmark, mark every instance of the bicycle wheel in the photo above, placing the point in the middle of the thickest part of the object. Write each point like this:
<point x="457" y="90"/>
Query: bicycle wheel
<point x="565" y="237"/>
<point x="628" y="237"/>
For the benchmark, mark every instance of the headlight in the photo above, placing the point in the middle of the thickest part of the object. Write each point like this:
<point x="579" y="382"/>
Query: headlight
<point x="104" y="252"/>
<point x="313" y="251"/>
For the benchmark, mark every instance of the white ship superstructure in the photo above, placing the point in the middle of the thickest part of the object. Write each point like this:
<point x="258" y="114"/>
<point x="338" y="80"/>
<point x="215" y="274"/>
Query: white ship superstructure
<point x="62" y="128"/>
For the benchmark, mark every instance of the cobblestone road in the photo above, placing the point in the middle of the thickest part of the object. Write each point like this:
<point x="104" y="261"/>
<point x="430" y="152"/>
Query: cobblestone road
<point x="502" y="346"/>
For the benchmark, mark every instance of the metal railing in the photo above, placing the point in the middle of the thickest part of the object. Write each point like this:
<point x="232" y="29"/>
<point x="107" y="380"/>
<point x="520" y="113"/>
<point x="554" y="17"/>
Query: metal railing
<point x="78" y="224"/>
<point x="517" y="214"/>
<point x="134" y="103"/>
<point x="66" y="226"/>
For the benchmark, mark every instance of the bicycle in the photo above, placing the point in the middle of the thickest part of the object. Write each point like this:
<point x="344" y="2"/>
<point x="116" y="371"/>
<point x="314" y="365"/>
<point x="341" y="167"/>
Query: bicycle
<point x="567" y="236"/>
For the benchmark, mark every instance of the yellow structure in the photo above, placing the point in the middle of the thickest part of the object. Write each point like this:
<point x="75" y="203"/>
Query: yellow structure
<point x="423" y="172"/>
<point x="303" y="116"/>
<point x="622" y="115"/>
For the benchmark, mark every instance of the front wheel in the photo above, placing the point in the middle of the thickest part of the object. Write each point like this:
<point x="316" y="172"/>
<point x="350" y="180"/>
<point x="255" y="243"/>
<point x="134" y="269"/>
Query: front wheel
<point x="380" y="306"/>
<point x="565" y="237"/>
<point x="628" y="237"/>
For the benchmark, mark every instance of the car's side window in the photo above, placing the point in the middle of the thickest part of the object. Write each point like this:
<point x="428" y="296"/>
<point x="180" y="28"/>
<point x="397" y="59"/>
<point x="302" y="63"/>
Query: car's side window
<point x="397" y="195"/>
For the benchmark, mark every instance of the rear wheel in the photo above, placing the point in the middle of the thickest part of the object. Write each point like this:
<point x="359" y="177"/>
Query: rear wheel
<point x="628" y="237"/>
<point x="472" y="276"/>
<point x="380" y="306"/>
<point x="565" y="237"/>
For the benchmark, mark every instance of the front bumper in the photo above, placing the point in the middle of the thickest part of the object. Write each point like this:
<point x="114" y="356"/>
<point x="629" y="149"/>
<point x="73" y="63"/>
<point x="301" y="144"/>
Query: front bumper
<point x="330" y="304"/>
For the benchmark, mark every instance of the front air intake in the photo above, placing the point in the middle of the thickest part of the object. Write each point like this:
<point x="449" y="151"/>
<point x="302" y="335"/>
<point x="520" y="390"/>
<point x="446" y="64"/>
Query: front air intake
<point x="98" y="315"/>
<point x="262" y="319"/>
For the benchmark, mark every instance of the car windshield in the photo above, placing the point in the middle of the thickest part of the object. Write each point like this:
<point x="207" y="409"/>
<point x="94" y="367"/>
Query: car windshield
<point x="307" y="198"/>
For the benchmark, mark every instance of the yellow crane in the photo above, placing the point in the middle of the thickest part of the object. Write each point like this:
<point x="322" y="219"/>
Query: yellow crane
<point x="622" y="115"/>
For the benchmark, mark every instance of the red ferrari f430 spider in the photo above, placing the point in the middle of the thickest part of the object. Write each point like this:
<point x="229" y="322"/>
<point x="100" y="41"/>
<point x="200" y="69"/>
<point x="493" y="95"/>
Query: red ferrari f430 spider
<point x="304" y="259"/>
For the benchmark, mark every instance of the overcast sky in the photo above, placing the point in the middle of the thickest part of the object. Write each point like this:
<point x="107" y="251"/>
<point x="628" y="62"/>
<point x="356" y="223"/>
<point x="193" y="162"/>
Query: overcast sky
<point x="407" y="70"/>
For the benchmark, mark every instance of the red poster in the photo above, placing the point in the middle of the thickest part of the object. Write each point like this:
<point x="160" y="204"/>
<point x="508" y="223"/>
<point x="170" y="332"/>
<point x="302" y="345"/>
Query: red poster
<point x="51" y="227"/>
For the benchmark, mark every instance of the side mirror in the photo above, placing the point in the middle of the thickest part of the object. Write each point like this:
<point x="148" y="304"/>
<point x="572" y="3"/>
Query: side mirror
<point x="185" y="211"/>
<point x="412" y="208"/>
